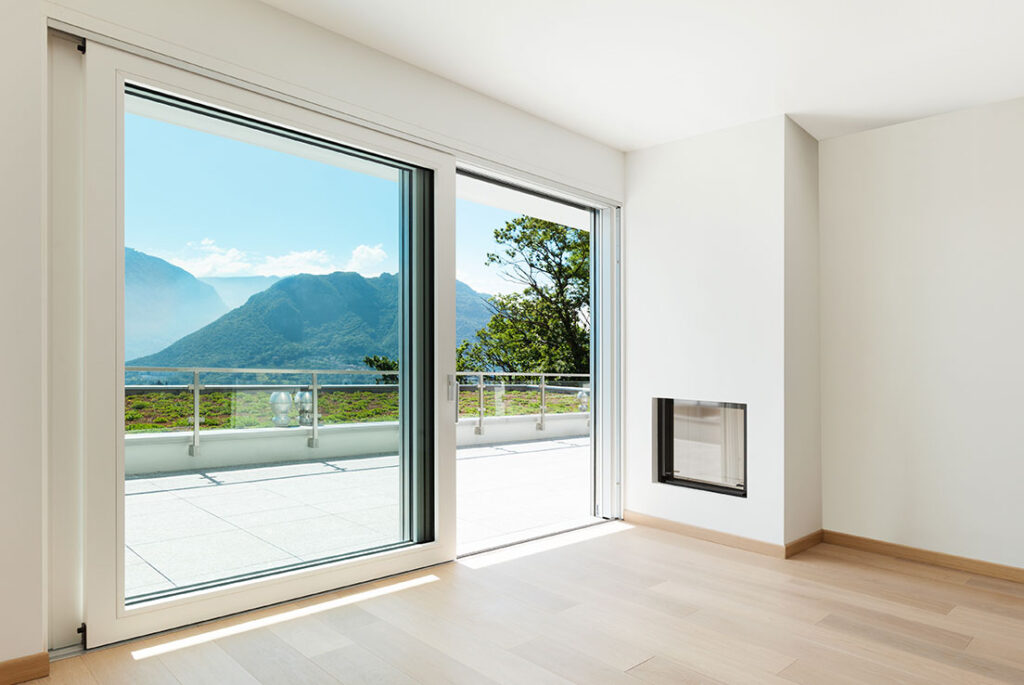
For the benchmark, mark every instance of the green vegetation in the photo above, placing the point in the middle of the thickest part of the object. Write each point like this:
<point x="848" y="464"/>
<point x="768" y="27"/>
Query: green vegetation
<point x="546" y="326"/>
<point x="172" y="410"/>
<point x="381" y="363"/>
<point x="515" y="403"/>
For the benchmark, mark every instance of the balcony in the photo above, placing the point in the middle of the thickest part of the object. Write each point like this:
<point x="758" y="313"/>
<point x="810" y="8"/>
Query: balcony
<point x="209" y="502"/>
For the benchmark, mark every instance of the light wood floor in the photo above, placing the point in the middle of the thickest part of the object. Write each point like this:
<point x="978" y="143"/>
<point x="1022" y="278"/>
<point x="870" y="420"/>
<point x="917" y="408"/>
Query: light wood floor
<point x="635" y="606"/>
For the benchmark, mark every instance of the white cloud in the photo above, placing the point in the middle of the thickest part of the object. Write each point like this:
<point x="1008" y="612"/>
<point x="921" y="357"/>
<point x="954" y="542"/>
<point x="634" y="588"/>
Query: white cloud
<point x="365" y="258"/>
<point x="306" y="262"/>
<point x="206" y="258"/>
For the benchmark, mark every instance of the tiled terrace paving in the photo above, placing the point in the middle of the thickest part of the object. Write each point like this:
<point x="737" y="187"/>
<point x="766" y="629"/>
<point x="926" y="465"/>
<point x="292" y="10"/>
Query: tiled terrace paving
<point x="186" y="529"/>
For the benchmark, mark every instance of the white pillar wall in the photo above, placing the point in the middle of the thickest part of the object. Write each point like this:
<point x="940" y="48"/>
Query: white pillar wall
<point x="720" y="272"/>
<point x="23" y="340"/>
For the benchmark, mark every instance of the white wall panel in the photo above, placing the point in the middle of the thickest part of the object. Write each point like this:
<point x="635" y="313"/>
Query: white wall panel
<point x="922" y="333"/>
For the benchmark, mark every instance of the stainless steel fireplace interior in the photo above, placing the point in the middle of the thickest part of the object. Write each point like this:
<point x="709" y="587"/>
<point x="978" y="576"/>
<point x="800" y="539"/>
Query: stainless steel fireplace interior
<point x="701" y="445"/>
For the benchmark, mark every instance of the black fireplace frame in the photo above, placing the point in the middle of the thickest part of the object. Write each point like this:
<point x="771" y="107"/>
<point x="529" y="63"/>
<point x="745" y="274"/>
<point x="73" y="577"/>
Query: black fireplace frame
<point x="664" y="452"/>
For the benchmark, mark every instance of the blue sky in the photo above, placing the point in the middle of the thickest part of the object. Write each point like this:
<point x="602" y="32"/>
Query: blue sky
<point x="220" y="207"/>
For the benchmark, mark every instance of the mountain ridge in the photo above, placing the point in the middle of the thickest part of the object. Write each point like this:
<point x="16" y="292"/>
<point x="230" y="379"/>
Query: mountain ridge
<point x="163" y="302"/>
<point x="329" y="321"/>
<point x="236" y="290"/>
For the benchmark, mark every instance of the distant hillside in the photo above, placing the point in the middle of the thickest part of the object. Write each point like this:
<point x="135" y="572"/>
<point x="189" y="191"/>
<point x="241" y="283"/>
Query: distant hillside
<point x="235" y="290"/>
<point x="305" y="321"/>
<point x="163" y="303"/>
<point x="471" y="311"/>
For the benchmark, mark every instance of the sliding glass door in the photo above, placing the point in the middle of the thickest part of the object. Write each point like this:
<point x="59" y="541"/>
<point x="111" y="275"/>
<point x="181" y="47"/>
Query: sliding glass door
<point x="266" y="288"/>
<point x="263" y="280"/>
<point x="270" y="322"/>
<point x="525" y="455"/>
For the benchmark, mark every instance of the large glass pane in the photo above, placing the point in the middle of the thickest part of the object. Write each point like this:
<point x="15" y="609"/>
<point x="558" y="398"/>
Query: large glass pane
<point x="264" y="329"/>
<point x="522" y="310"/>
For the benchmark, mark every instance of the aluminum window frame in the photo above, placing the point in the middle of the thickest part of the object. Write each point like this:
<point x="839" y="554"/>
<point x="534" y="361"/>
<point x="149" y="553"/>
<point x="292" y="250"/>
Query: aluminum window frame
<point x="109" y="618"/>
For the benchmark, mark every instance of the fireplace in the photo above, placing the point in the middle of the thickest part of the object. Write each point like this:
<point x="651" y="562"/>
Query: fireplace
<point x="701" y="445"/>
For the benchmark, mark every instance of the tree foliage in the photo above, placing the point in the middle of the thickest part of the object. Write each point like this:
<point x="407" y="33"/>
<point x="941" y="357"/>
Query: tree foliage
<point x="382" y="363"/>
<point x="545" y="326"/>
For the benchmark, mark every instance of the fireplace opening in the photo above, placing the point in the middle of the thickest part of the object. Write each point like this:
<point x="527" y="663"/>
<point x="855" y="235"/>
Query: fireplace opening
<point x="701" y="445"/>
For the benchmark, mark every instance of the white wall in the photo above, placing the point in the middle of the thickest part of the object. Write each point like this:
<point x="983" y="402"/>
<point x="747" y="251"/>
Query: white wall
<point x="23" y="338"/>
<point x="704" y="312"/>
<point x="803" y="417"/>
<point x="721" y="273"/>
<point x="261" y="44"/>
<point x="255" y="43"/>
<point x="922" y="237"/>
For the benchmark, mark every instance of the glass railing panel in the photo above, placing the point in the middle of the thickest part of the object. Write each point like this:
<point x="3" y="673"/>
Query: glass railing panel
<point x="567" y="394"/>
<point x="470" y="387"/>
<point x="515" y="395"/>
<point x="356" y="398"/>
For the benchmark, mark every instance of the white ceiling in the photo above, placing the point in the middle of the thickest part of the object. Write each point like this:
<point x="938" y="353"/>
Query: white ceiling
<point x="635" y="73"/>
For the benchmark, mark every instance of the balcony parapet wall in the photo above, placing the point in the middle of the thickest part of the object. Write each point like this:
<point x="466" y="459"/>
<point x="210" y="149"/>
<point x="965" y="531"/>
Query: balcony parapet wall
<point x="161" y="453"/>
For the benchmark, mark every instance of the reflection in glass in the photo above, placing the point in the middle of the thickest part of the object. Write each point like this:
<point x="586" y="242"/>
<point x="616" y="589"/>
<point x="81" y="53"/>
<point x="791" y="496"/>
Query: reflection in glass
<point x="261" y="272"/>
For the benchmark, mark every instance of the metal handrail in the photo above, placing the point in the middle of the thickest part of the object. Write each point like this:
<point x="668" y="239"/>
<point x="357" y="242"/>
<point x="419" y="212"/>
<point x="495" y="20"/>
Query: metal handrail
<point x="210" y="369"/>
<point x="543" y="375"/>
<point x="196" y="387"/>
<point x="522" y="373"/>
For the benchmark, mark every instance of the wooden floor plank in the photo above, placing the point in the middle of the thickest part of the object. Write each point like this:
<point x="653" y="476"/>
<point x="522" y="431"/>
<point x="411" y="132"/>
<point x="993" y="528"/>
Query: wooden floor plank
<point x="354" y="665"/>
<point x="115" y="666"/>
<point x="952" y="657"/>
<point x="206" y="664"/>
<point x="638" y="606"/>
<point x="273" y="661"/>
<point x="414" y="657"/>
<point x="661" y="671"/>
<point x="71" y="671"/>
<point x="574" y="666"/>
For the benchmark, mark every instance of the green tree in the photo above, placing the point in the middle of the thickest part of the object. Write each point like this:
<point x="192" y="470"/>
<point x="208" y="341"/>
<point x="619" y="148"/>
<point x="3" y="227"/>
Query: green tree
<point x="546" y="326"/>
<point x="382" y="363"/>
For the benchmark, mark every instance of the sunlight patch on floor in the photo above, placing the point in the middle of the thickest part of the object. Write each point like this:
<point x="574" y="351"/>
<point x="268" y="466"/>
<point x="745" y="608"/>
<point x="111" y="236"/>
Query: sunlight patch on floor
<point x="255" y="624"/>
<point x="526" y="549"/>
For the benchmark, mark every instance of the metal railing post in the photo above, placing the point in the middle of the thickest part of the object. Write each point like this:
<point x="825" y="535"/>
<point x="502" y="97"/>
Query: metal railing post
<point x="193" y="449"/>
<point x="543" y="403"/>
<point x="314" y="439"/>
<point x="480" y="393"/>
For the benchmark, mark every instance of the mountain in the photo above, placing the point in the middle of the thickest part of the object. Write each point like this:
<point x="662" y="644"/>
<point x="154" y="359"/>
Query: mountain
<point x="306" y="321"/>
<point x="235" y="290"/>
<point x="471" y="312"/>
<point x="162" y="303"/>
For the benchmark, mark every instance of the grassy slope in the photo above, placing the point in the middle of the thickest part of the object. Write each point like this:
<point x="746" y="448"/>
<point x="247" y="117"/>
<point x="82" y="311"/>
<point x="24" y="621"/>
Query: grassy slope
<point x="172" y="411"/>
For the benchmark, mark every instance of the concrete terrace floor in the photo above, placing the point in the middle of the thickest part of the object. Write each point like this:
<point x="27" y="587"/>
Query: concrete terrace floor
<point x="182" y="530"/>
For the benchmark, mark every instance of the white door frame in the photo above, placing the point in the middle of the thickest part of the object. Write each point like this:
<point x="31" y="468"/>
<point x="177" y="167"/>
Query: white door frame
<point x="606" y="326"/>
<point x="108" y="619"/>
<point x="606" y="364"/>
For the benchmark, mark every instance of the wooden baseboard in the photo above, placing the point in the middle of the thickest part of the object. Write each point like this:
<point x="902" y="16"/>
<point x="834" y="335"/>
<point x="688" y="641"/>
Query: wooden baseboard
<point x="727" y="539"/>
<point x="976" y="566"/>
<point x="24" y="668"/>
<point x="803" y="544"/>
